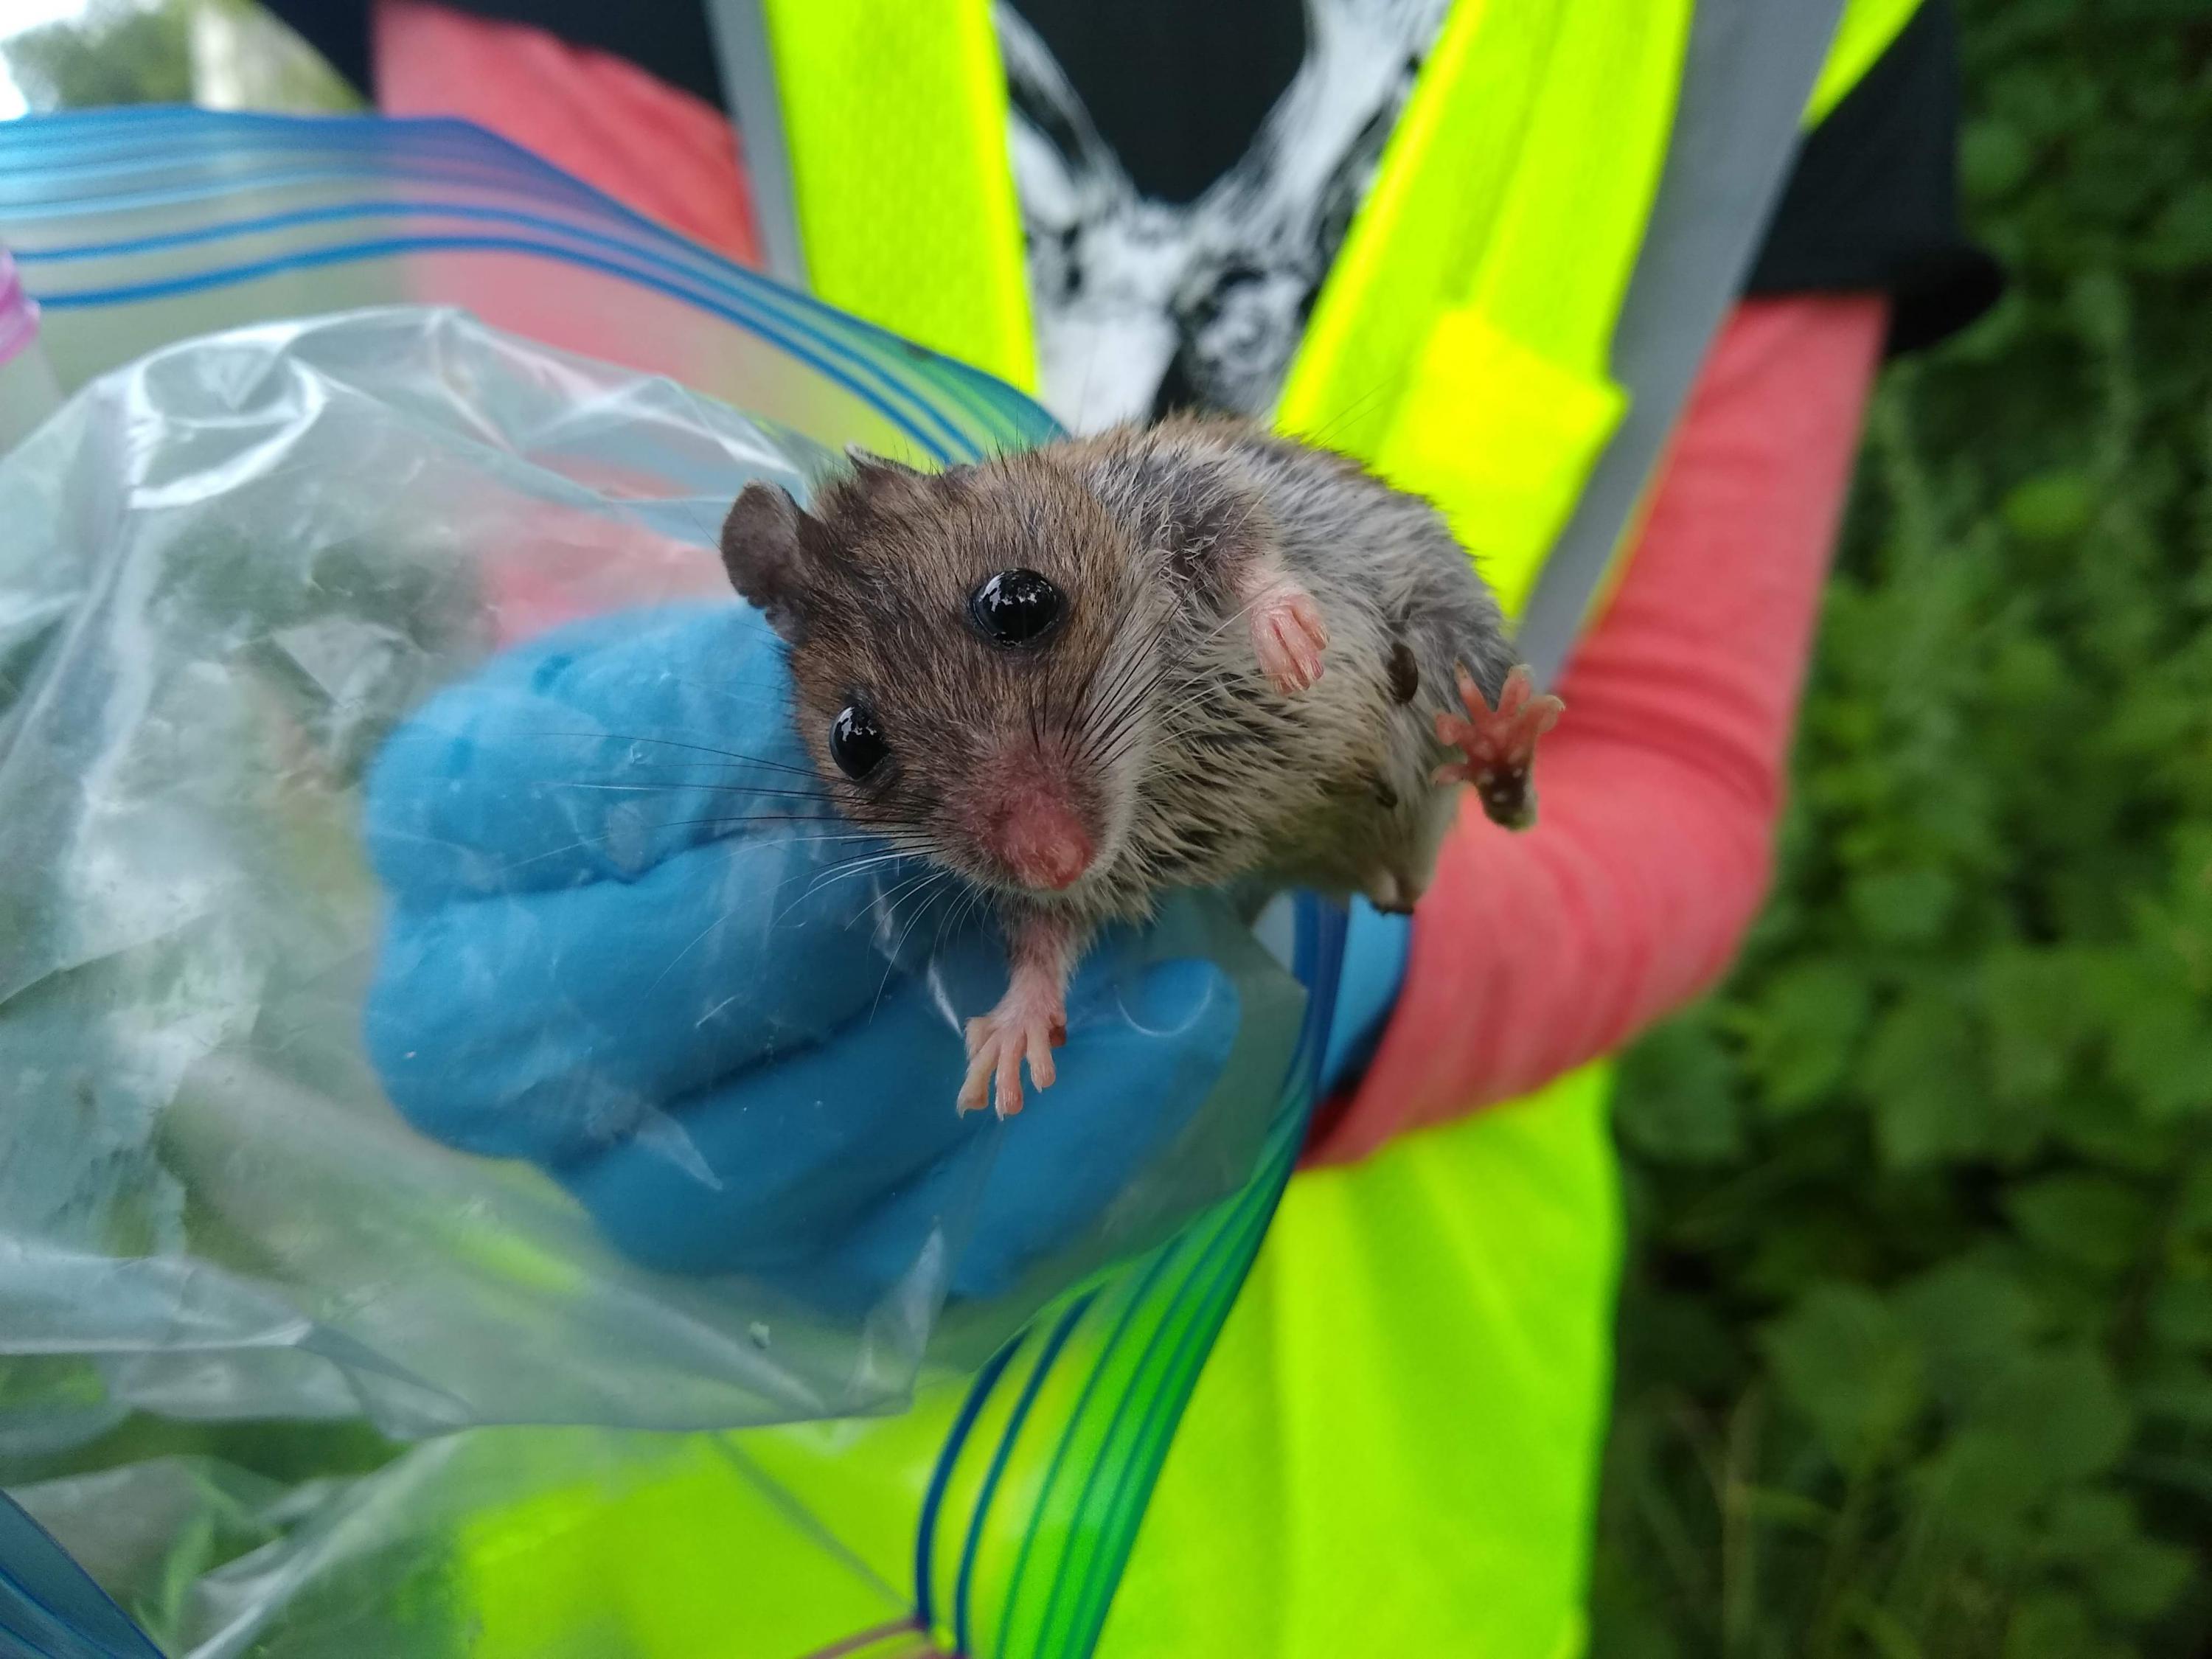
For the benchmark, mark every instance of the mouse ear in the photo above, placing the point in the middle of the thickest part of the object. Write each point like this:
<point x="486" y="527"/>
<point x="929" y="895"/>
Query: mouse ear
<point x="763" y="548"/>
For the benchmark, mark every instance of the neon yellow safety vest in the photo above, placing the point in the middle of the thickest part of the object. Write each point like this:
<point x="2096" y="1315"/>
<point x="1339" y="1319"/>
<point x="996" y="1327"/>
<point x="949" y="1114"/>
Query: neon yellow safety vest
<point x="1367" y="1423"/>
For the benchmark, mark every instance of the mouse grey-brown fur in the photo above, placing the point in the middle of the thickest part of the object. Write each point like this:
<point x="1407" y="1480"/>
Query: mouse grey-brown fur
<point x="1258" y="646"/>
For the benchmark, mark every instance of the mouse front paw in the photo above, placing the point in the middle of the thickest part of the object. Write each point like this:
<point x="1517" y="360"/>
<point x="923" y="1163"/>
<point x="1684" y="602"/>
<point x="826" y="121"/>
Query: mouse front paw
<point x="1028" y="1023"/>
<point x="1498" y="745"/>
<point x="1290" y="634"/>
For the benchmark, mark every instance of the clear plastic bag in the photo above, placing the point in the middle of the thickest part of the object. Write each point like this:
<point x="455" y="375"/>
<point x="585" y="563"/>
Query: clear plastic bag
<point x="248" y="582"/>
<point x="27" y="392"/>
<point x="135" y="228"/>
<point x="245" y="562"/>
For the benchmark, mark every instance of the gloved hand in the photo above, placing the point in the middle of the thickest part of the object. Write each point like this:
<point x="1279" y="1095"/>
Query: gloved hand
<point x="630" y="941"/>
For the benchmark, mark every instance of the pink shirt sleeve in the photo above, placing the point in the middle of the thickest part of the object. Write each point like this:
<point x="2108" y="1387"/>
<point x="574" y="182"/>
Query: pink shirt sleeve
<point x="653" y="147"/>
<point x="1660" y="788"/>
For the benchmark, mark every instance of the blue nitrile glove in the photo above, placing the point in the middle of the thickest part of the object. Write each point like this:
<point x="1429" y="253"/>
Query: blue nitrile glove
<point x="631" y="942"/>
<point x="1376" y="947"/>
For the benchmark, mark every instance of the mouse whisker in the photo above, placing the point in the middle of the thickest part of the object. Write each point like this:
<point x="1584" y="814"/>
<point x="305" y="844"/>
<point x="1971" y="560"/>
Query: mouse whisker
<point x="889" y="901"/>
<point x="970" y="902"/>
<point x="1125" y="686"/>
<point x="753" y="817"/>
<point x="730" y="757"/>
<point x="1109" y="739"/>
<point x="681" y="824"/>
<point x="696" y="938"/>
<point x="974" y="914"/>
<point x="837" y="872"/>
<point x="944" y="924"/>
<point x="1228" y="620"/>
<point x="1135" y="652"/>
<point x="1106" y="756"/>
<point x="892" y="957"/>
<point x="921" y="892"/>
<point x="1131" y="684"/>
<point x="852" y="865"/>
<point x="1113" y="755"/>
<point x="1106" y="739"/>
<point x="1106" y="730"/>
<point x="821" y="795"/>
<point x="910" y="840"/>
<point x="735" y="683"/>
<point x="926" y="896"/>
<point x="1142" y="668"/>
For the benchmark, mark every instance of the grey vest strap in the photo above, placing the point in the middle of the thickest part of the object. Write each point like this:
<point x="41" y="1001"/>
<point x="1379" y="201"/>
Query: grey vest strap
<point x="748" y="73"/>
<point x="1748" y="70"/>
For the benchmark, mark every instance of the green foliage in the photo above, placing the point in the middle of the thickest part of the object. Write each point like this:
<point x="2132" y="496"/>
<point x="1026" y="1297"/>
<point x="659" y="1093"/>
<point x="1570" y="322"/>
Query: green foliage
<point x="1917" y="1341"/>
<point x="228" y="54"/>
<point x="117" y="53"/>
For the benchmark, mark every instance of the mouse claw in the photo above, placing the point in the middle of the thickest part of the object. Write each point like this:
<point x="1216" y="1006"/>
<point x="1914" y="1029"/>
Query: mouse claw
<point x="989" y="1057"/>
<point x="1008" y="1083"/>
<point x="975" y="1088"/>
<point x="1038" y="1041"/>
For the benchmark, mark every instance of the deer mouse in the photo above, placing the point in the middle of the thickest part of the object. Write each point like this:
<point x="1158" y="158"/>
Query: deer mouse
<point x="1166" y="656"/>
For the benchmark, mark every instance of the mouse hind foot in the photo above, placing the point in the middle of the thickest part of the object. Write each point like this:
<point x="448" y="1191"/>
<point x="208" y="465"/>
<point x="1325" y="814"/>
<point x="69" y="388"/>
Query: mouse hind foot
<point x="1497" y="745"/>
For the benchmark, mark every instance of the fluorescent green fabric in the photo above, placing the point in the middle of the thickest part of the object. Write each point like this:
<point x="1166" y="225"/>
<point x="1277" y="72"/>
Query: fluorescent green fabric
<point x="1460" y="341"/>
<point x="672" y="1546"/>
<point x="1862" y="35"/>
<point x="894" y="117"/>
<point x="1392" y="1448"/>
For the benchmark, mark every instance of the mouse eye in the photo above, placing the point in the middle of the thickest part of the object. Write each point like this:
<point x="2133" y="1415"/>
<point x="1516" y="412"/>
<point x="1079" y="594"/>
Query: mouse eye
<point x="857" y="744"/>
<point x="1017" y="608"/>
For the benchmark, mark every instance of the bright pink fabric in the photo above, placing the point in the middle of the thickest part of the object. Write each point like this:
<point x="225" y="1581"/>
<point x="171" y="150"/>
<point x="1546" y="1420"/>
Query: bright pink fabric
<point x="658" y="150"/>
<point x="1659" y="789"/>
<point x="648" y="145"/>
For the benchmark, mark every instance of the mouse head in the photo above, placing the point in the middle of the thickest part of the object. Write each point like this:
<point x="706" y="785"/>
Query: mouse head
<point x="971" y="665"/>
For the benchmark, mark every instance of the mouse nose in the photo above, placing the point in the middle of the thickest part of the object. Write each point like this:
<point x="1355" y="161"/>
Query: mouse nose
<point x="1041" y="842"/>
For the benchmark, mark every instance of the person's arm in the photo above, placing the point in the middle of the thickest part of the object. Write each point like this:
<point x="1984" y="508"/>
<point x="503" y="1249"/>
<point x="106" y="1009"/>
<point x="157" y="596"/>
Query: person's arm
<point x="1660" y="790"/>
<point x="657" y="148"/>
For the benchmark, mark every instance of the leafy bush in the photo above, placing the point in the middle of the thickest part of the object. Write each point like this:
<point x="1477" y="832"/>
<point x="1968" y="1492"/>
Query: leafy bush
<point x="1917" y="1339"/>
<point x="226" y="54"/>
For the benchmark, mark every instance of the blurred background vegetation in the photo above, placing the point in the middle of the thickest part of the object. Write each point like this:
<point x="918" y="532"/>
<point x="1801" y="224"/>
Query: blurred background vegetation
<point x="1916" y="1353"/>
<point x="1916" y="1349"/>
<point x="225" y="54"/>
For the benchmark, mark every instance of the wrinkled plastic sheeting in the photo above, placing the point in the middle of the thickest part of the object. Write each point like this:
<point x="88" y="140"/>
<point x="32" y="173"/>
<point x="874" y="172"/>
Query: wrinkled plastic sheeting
<point x="230" y="571"/>
<point x="214" y="1563"/>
